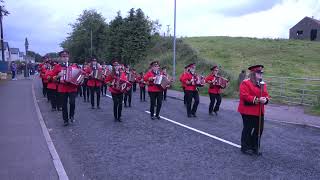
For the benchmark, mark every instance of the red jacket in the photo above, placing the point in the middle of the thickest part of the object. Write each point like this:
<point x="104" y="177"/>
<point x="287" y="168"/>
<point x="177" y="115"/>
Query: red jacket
<point x="151" y="86"/>
<point x="51" y="83"/>
<point x="43" y="71"/>
<point x="93" y="82"/>
<point x="188" y="87"/>
<point x="62" y="86"/>
<point x="111" y="77"/>
<point x="213" y="89"/>
<point x="180" y="78"/>
<point x="141" y="84"/>
<point x="248" y="92"/>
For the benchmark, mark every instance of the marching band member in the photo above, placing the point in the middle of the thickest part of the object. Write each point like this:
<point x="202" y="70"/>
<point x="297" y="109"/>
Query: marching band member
<point x="43" y="69"/>
<point x="67" y="91"/>
<point x="117" y="96"/>
<point x="52" y="88"/>
<point x="164" y="72"/>
<point x="93" y="83"/>
<point x="189" y="79"/>
<point x="128" y="94"/>
<point x="183" y="85"/>
<point x="85" y="88"/>
<point x="253" y="97"/>
<point x="214" y="90"/>
<point x="155" y="91"/>
<point x="134" y="84"/>
<point x="142" y="86"/>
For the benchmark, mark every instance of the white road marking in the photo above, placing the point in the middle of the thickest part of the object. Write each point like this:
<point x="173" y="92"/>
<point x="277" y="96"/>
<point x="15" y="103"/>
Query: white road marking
<point x="55" y="156"/>
<point x="108" y="96"/>
<point x="198" y="131"/>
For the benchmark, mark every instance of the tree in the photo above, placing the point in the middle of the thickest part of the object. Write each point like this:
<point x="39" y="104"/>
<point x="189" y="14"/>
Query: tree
<point x="37" y="57"/>
<point x="116" y="38"/>
<point x="79" y="40"/>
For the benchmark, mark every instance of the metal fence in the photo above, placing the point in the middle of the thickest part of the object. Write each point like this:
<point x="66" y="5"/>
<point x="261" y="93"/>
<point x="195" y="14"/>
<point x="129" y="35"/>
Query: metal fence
<point x="295" y="91"/>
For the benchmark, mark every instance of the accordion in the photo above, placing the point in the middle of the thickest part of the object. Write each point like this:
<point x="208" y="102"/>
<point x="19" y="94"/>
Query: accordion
<point x="220" y="81"/>
<point x="121" y="85"/>
<point x="200" y="81"/>
<point x="72" y="75"/>
<point x="97" y="74"/>
<point x="162" y="81"/>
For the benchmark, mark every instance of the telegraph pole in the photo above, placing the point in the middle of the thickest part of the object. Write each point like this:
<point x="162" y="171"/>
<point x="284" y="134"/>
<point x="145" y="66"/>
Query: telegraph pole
<point x="174" y="43"/>
<point x="3" y="12"/>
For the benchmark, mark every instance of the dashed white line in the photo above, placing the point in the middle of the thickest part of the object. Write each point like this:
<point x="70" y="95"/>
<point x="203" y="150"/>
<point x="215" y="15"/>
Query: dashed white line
<point x="201" y="132"/>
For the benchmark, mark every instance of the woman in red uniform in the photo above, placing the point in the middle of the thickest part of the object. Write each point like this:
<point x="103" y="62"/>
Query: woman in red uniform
<point x="253" y="97"/>
<point x="117" y="95"/>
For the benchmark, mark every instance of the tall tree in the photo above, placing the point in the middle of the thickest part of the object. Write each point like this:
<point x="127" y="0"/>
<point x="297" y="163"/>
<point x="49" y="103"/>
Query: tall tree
<point x="116" y="38"/>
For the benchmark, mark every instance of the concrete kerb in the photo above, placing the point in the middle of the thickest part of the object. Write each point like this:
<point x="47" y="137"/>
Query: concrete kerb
<point x="55" y="156"/>
<point x="272" y="120"/>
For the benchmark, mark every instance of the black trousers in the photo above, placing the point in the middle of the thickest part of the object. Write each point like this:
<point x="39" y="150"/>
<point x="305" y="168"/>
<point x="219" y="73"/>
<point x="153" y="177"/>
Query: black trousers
<point x="155" y="97"/>
<point x="143" y="93"/>
<point x="249" y="136"/>
<point x="85" y="92"/>
<point x="213" y="98"/>
<point x="128" y="97"/>
<point x="94" y="90"/>
<point x="184" y="96"/>
<point x="134" y="87"/>
<point x="104" y="89"/>
<point x="80" y="92"/>
<point x="44" y="88"/>
<point x="165" y="94"/>
<point x="117" y="105"/>
<point x="189" y="96"/>
<point x="71" y="98"/>
<point x="53" y="96"/>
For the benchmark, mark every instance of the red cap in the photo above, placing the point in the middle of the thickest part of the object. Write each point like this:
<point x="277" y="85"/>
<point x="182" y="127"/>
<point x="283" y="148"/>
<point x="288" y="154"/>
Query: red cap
<point x="256" y="68"/>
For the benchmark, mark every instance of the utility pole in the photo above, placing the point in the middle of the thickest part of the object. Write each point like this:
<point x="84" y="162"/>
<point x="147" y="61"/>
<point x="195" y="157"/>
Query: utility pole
<point x="3" y="12"/>
<point x="26" y="45"/>
<point x="168" y="30"/>
<point x="174" y="44"/>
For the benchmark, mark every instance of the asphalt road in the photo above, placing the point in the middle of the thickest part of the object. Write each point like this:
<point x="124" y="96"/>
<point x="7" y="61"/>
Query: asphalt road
<point x="96" y="147"/>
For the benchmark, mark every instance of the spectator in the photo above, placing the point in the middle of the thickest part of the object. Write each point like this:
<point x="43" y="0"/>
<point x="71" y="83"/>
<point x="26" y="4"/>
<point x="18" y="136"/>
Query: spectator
<point x="13" y="70"/>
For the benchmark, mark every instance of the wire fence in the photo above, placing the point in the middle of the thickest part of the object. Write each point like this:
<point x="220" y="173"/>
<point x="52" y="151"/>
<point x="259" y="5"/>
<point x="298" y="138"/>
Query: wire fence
<point x="295" y="91"/>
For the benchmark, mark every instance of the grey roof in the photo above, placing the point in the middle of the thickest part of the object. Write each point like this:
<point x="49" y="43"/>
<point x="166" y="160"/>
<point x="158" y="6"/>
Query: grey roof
<point x="14" y="50"/>
<point x="316" y="21"/>
<point x="6" y="45"/>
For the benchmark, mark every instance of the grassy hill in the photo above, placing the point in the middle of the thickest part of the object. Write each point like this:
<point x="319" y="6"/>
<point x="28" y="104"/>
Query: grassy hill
<point x="285" y="58"/>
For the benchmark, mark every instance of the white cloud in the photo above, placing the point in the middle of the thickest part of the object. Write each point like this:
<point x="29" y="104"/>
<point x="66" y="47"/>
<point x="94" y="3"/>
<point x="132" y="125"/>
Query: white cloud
<point x="45" y="22"/>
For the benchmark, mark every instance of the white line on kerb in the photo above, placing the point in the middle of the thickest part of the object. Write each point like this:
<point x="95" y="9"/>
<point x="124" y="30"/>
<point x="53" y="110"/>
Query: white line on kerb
<point x="201" y="132"/>
<point x="108" y="96"/>
<point x="55" y="156"/>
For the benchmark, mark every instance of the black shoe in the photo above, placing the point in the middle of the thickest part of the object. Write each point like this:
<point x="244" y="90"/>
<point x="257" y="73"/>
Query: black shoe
<point x="189" y="115"/>
<point x="115" y="119"/>
<point x="194" y="115"/>
<point x="125" y="105"/>
<point x="72" y="119"/>
<point x="158" y="117"/>
<point x="65" y="124"/>
<point x="216" y="113"/>
<point x="119" y="119"/>
<point x="152" y="117"/>
<point x="129" y="105"/>
<point x="247" y="151"/>
<point x="255" y="151"/>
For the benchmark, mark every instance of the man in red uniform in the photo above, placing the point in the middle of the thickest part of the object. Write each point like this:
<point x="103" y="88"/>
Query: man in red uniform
<point x="52" y="88"/>
<point x="189" y="80"/>
<point x="253" y="97"/>
<point x="85" y="88"/>
<point x="117" y="96"/>
<point x="93" y="83"/>
<point x="183" y="85"/>
<point x="128" y="94"/>
<point x="67" y="91"/>
<point x="43" y="69"/>
<point x="155" y="91"/>
<point x="142" y="86"/>
<point x="214" y="91"/>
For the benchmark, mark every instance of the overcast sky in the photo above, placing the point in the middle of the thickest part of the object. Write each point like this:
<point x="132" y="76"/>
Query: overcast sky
<point x="46" y="22"/>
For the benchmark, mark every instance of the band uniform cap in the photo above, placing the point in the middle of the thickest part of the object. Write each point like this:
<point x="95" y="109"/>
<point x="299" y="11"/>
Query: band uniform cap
<point x="191" y="65"/>
<point x="63" y="51"/>
<point x="256" y="68"/>
<point x="93" y="59"/>
<point x="114" y="62"/>
<point x="154" y="63"/>
<point x="164" y="67"/>
<point x="213" y="67"/>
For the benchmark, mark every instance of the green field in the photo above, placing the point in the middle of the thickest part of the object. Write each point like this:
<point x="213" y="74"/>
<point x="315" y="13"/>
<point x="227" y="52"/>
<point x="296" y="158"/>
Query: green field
<point x="293" y="58"/>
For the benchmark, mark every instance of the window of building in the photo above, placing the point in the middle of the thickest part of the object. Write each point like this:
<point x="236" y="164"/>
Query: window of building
<point x="299" y="33"/>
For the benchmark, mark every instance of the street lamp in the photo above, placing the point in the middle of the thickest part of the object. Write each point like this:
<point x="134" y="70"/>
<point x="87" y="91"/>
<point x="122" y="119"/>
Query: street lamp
<point x="174" y="43"/>
<point x="26" y="45"/>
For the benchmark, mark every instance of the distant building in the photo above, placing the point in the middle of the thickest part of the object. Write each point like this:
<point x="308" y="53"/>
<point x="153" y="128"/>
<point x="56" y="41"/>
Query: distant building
<point x="21" y="55"/>
<point x="307" y="29"/>
<point x="15" y="54"/>
<point x="6" y="51"/>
